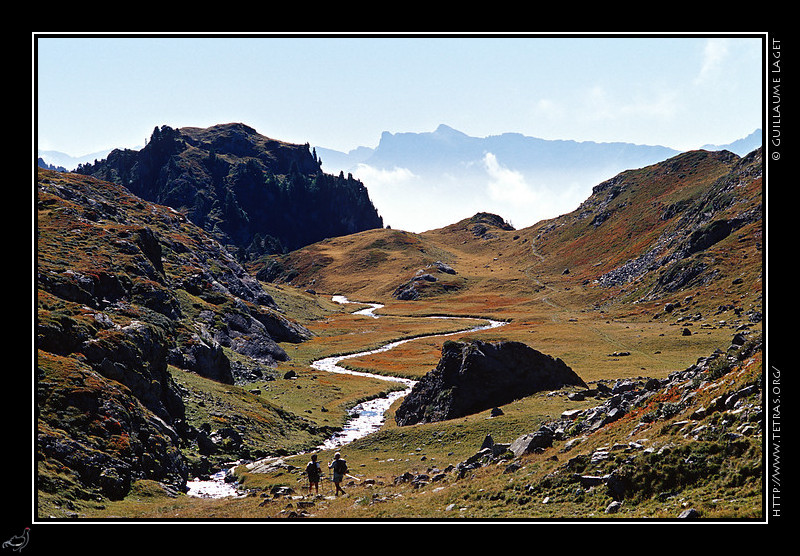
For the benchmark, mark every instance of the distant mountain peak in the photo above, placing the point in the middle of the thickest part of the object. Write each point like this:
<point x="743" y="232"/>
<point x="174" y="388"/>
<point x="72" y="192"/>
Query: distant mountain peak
<point x="444" y="129"/>
<point x="741" y="146"/>
<point x="443" y="132"/>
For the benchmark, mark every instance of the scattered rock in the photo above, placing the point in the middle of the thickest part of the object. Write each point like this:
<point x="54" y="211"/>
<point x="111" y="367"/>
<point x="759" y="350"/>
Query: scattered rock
<point x="278" y="491"/>
<point x="613" y="507"/>
<point x="412" y="289"/>
<point x="512" y="467"/>
<point x="571" y="414"/>
<point x="442" y="267"/>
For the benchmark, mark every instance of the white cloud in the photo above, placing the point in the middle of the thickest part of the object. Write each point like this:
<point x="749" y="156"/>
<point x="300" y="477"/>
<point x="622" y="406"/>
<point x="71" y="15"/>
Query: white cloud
<point x="506" y="185"/>
<point x="525" y="199"/>
<point x="399" y="195"/>
<point x="714" y="55"/>
<point x="380" y="179"/>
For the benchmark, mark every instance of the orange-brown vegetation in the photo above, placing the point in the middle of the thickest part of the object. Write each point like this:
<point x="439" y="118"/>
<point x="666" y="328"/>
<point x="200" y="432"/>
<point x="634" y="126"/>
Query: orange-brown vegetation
<point x="557" y="286"/>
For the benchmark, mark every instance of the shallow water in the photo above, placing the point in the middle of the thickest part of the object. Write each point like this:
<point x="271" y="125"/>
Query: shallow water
<point x="369" y="311"/>
<point x="215" y="487"/>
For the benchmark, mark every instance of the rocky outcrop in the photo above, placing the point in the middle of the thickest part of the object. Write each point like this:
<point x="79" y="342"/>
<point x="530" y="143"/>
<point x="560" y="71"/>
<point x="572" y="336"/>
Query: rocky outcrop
<point x="474" y="376"/>
<point x="95" y="431"/>
<point x="690" y="225"/>
<point x="483" y="224"/>
<point x="253" y="194"/>
<point x="126" y="289"/>
<point x="700" y="441"/>
<point x="152" y="259"/>
<point x="424" y="278"/>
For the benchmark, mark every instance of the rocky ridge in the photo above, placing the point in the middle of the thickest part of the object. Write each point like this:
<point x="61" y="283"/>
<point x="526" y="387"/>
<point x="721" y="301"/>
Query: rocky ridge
<point x="125" y="290"/>
<point x="253" y="194"/>
<point x="695" y="223"/>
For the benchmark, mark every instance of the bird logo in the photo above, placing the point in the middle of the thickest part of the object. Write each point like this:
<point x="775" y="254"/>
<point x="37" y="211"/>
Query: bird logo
<point x="18" y="542"/>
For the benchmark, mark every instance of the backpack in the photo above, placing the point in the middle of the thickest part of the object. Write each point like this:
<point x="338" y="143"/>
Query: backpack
<point x="340" y="466"/>
<point x="313" y="470"/>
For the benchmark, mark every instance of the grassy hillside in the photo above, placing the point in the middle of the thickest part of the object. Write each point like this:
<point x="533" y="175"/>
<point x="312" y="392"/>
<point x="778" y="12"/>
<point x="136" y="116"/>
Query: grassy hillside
<point x="631" y="284"/>
<point x="683" y="450"/>
<point x="148" y="334"/>
<point x="655" y="280"/>
<point x="559" y="282"/>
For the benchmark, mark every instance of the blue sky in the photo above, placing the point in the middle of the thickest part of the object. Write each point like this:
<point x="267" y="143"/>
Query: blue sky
<point x="95" y="93"/>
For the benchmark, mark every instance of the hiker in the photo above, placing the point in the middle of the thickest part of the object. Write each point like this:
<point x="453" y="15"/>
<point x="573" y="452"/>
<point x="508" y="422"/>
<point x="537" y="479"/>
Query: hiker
<point x="313" y="471"/>
<point x="339" y="467"/>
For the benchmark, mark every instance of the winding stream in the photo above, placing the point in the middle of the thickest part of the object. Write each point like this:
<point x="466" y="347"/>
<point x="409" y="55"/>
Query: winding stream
<point x="365" y="418"/>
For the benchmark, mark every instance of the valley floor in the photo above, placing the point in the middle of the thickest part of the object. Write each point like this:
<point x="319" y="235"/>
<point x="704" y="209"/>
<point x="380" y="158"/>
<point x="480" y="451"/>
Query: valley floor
<point x="600" y="347"/>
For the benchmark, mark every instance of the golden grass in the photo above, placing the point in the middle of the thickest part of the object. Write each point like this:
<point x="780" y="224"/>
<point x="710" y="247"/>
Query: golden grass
<point x="518" y="277"/>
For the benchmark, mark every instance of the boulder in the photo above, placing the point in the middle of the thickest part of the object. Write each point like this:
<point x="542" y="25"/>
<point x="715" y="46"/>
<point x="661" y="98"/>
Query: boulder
<point x="443" y="267"/>
<point x="534" y="442"/>
<point x="475" y="376"/>
<point x="204" y="357"/>
<point x="415" y="287"/>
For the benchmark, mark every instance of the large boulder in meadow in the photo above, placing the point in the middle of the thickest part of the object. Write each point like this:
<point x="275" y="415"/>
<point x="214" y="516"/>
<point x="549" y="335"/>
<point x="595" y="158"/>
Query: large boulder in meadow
<point x="475" y="376"/>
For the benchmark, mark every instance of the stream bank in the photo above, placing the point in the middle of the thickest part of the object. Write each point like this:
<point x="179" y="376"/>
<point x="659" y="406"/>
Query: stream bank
<point x="365" y="417"/>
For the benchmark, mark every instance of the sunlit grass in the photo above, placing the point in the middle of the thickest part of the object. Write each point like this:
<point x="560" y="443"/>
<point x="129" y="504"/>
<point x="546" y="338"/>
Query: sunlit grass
<point x="541" y="281"/>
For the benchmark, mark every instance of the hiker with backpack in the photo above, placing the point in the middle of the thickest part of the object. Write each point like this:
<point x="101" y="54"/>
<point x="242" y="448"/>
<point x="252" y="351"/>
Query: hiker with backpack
<point x="339" y="467"/>
<point x="314" y="472"/>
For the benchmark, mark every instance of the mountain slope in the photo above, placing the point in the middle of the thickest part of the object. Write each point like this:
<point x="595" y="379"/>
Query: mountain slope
<point x="651" y="291"/>
<point x="129" y="296"/>
<point x="252" y="193"/>
<point x="146" y="327"/>
<point x="691" y="221"/>
<point x="660" y="263"/>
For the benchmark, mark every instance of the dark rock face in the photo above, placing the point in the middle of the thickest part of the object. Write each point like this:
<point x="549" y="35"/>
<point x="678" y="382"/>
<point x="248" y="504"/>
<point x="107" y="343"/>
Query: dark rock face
<point x="113" y="276"/>
<point x="253" y="194"/>
<point x="476" y="376"/>
<point x="483" y="223"/>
